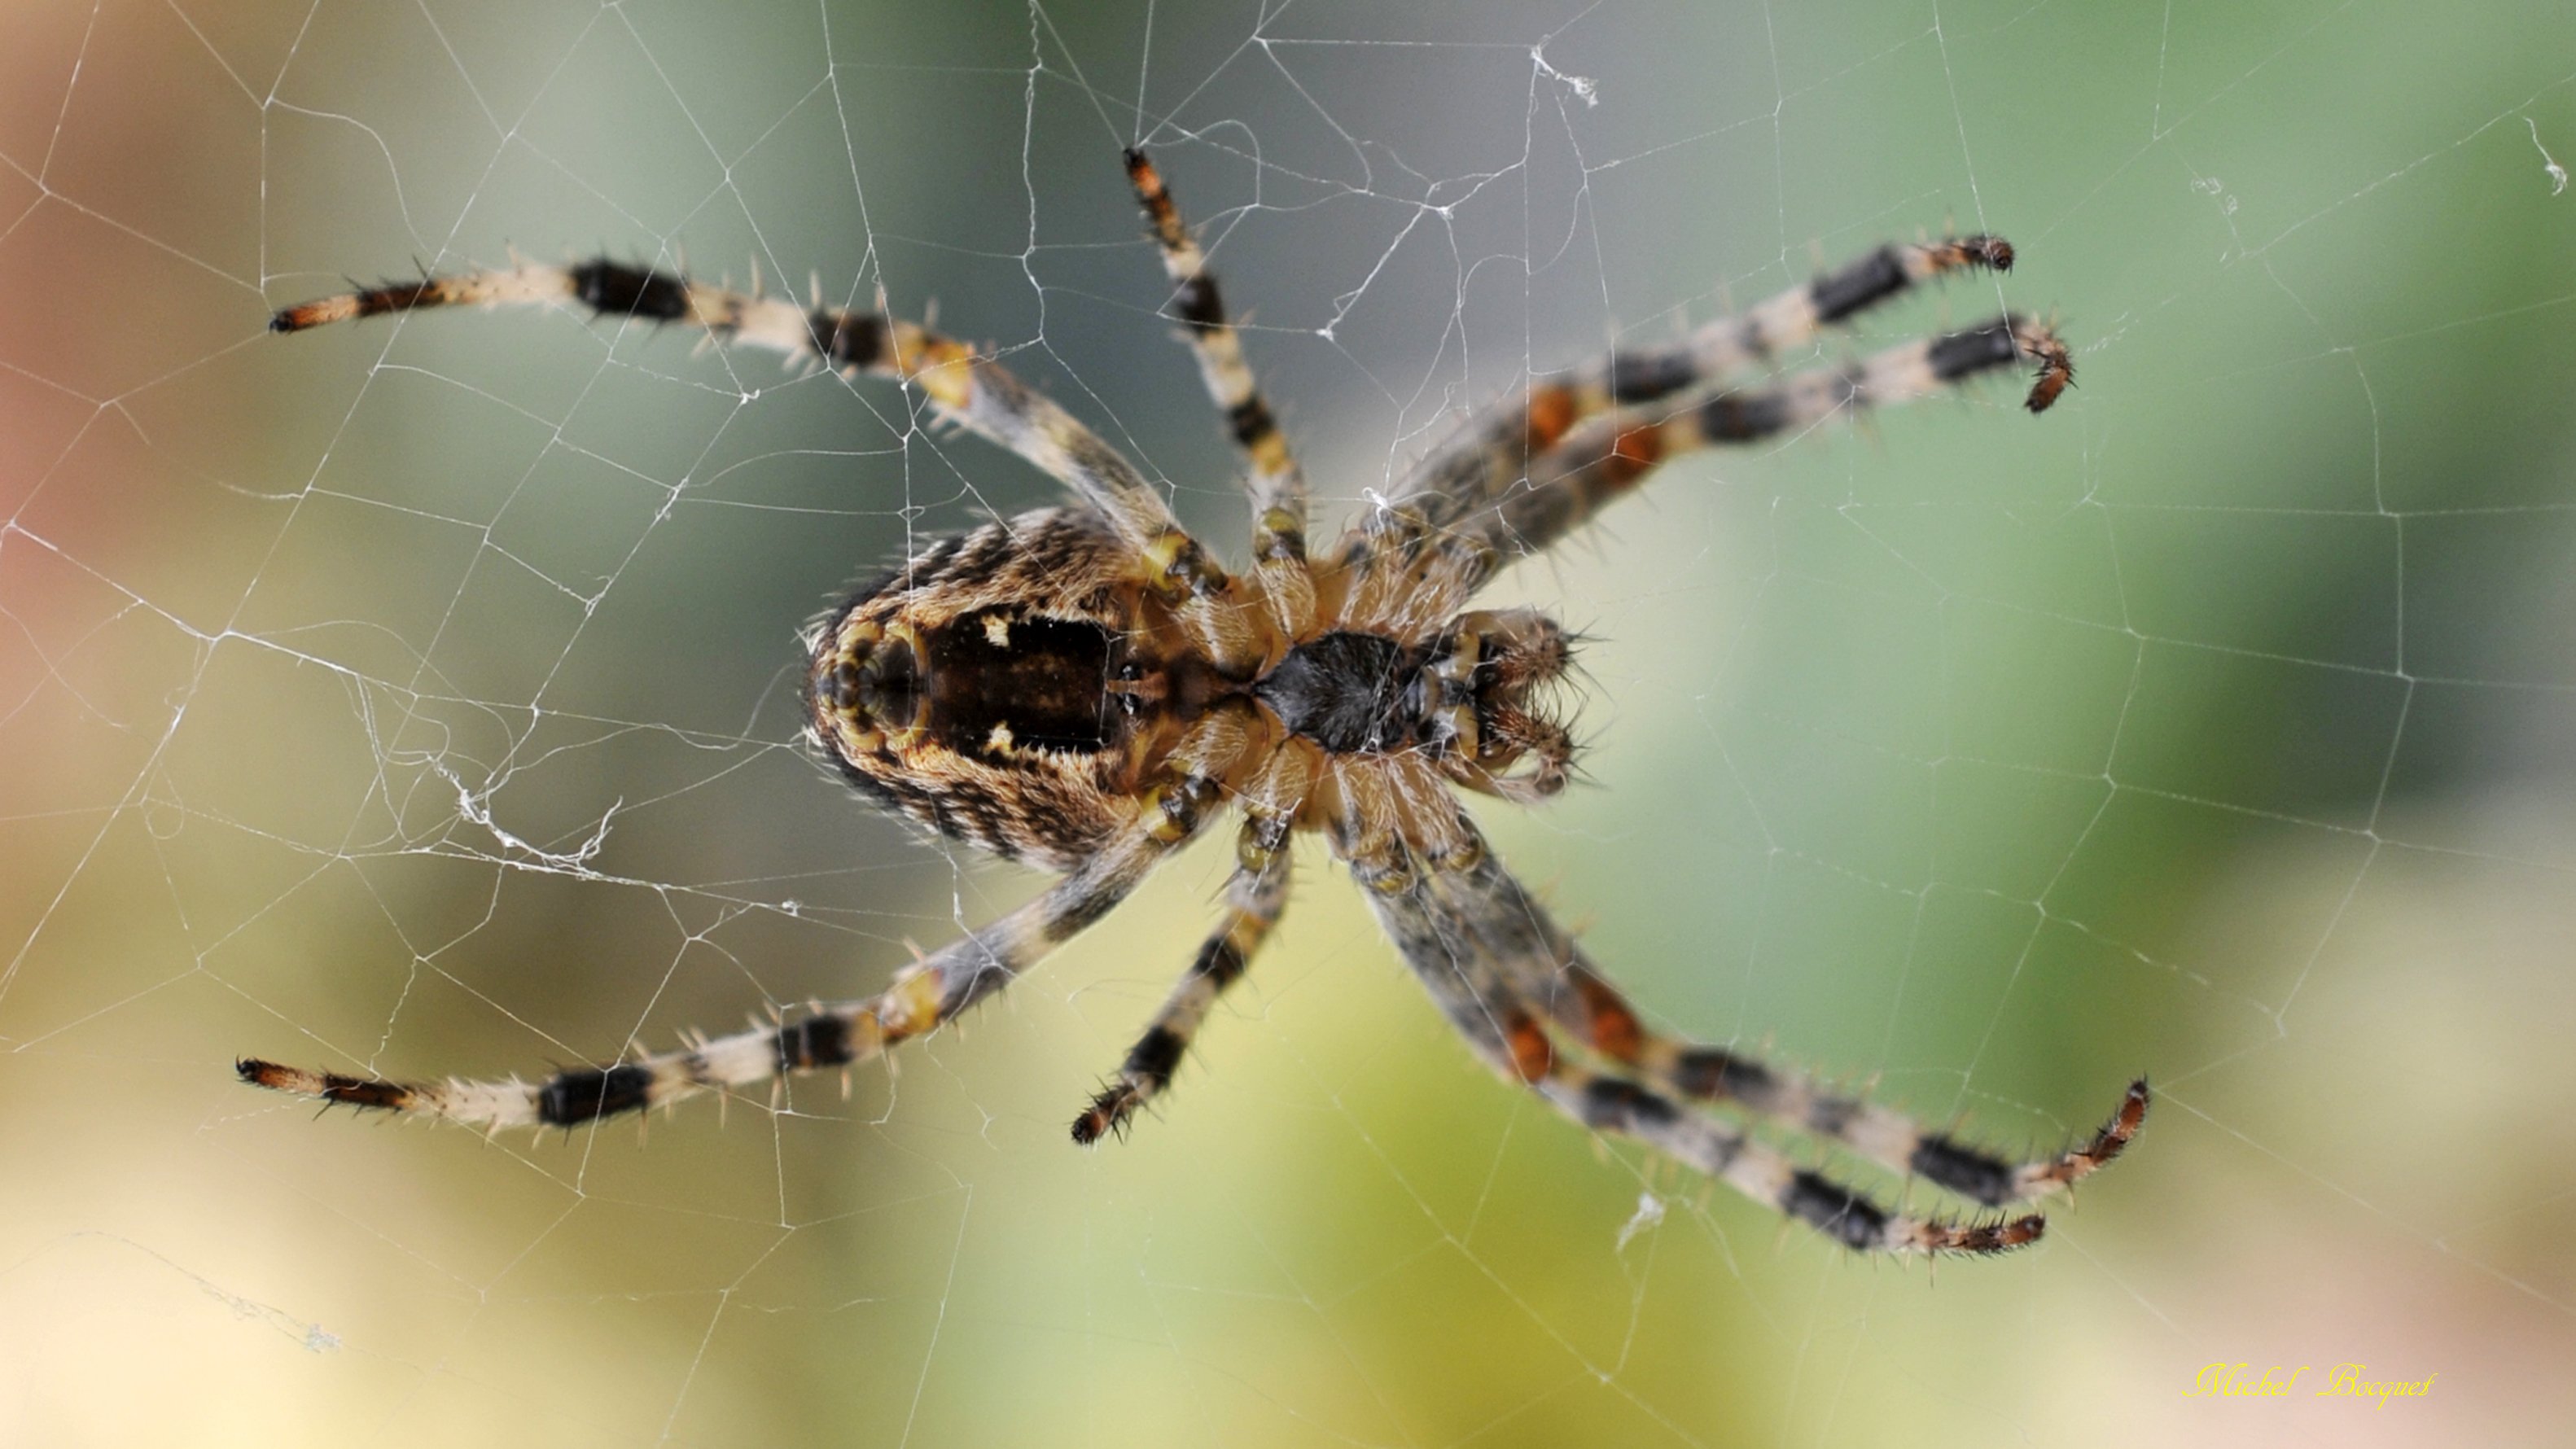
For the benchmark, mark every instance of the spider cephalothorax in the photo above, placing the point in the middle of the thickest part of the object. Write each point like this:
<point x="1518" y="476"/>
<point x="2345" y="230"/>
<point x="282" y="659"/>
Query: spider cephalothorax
<point x="1084" y="688"/>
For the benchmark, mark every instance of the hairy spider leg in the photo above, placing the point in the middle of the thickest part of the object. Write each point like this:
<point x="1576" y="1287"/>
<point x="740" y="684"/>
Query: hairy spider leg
<point x="1546" y="966"/>
<point x="1475" y="993"/>
<point x="1490" y="461"/>
<point x="1277" y="485"/>
<point x="830" y="1036"/>
<point x="962" y="386"/>
<point x="1608" y="457"/>
<point x="1254" y="900"/>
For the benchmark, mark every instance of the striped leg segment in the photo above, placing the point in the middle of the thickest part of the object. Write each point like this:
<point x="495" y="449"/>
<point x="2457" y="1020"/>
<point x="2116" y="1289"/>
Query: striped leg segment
<point x="1277" y="484"/>
<point x="1608" y="1103"/>
<point x="962" y="386"/>
<point x="1253" y="901"/>
<point x="1488" y="465"/>
<point x="1547" y="967"/>
<point x="1611" y="455"/>
<point x="1450" y="957"/>
<point x="830" y="1036"/>
<point x="1590" y="1010"/>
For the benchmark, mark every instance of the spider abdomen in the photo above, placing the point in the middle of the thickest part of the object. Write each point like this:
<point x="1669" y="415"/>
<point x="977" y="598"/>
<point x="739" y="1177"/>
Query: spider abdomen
<point x="978" y="690"/>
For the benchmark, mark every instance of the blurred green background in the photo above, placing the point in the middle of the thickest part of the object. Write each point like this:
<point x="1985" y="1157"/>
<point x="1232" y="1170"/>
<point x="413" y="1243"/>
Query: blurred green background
<point x="419" y="697"/>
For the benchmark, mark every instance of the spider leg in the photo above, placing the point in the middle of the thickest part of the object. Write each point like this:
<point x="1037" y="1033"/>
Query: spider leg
<point x="835" y="1035"/>
<point x="1276" y="485"/>
<point x="1609" y="456"/>
<point x="1490" y="461"/>
<point x="1548" y="968"/>
<point x="961" y="385"/>
<point x="1253" y="901"/>
<point x="1453" y="962"/>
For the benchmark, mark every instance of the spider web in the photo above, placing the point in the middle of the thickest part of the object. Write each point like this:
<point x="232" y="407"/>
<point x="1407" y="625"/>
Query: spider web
<point x="419" y="697"/>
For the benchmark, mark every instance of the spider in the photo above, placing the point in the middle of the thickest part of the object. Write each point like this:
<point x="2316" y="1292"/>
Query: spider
<point x="1085" y="689"/>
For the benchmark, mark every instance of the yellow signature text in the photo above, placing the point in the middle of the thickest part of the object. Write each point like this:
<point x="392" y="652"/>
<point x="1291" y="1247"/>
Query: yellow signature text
<point x="2239" y="1381"/>
<point x="2279" y="1381"/>
<point x="2345" y="1381"/>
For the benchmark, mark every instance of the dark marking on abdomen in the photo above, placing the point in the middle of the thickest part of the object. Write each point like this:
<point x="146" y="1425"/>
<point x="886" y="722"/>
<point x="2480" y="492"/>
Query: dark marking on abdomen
<point x="1047" y="683"/>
